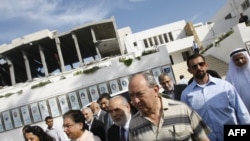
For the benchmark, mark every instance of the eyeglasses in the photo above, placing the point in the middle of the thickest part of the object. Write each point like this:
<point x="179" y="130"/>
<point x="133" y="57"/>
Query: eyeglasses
<point x="68" y="126"/>
<point x="201" y="64"/>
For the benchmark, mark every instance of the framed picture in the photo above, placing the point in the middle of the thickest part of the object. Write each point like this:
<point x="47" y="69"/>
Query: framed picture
<point x="16" y="118"/>
<point x="103" y="88"/>
<point x="156" y="73"/>
<point x="167" y="69"/>
<point x="84" y="98"/>
<point x="26" y="115"/>
<point x="124" y="83"/>
<point x="93" y="92"/>
<point x="7" y="120"/>
<point x="113" y="84"/>
<point x="35" y="112"/>
<point x="1" y="125"/>
<point x="63" y="102"/>
<point x="54" y="107"/>
<point x="73" y="101"/>
<point x="44" y="109"/>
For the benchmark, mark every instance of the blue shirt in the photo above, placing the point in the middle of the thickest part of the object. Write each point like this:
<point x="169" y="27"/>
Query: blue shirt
<point x="218" y="103"/>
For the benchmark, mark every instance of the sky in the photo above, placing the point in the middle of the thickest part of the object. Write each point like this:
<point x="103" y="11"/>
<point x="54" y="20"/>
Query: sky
<point x="22" y="17"/>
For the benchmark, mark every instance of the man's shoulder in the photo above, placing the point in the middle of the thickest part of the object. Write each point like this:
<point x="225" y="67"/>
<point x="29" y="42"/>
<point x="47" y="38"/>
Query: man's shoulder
<point x="113" y="127"/>
<point x="169" y="103"/>
<point x="103" y="112"/>
<point x="97" y="122"/>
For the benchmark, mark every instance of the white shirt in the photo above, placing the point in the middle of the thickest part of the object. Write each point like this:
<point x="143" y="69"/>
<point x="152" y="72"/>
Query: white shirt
<point x="126" y="127"/>
<point x="57" y="133"/>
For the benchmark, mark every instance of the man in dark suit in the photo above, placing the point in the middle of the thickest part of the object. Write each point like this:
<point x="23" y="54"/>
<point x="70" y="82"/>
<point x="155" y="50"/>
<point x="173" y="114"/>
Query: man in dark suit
<point x="93" y="125"/>
<point x="99" y="114"/>
<point x="170" y="90"/>
<point x="120" y="112"/>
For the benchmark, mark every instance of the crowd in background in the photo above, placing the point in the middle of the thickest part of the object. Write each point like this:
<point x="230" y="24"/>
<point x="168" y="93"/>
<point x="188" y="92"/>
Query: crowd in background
<point x="195" y="109"/>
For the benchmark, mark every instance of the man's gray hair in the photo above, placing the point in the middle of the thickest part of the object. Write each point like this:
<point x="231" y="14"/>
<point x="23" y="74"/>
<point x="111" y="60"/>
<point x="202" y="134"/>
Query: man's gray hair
<point x="147" y="76"/>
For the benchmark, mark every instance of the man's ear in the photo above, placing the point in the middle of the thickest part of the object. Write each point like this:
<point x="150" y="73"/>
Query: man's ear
<point x="156" y="88"/>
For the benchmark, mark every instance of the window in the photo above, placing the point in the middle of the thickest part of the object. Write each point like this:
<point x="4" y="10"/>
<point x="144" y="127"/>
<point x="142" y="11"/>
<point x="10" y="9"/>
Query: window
<point x="165" y="38"/>
<point x="150" y="42"/>
<point x="135" y="44"/>
<point x="229" y="16"/>
<point x="156" y="41"/>
<point x="145" y="43"/>
<point x="161" y="40"/>
<point x="171" y="59"/>
<point x="185" y="55"/>
<point x="245" y="5"/>
<point x="170" y="36"/>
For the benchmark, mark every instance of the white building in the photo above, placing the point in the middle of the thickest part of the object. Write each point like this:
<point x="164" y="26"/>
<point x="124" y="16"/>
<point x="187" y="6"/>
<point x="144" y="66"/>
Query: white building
<point x="47" y="67"/>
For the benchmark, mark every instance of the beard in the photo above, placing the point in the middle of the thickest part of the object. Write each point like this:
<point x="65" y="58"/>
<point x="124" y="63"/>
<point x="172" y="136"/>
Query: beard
<point x="123" y="120"/>
<point x="200" y="74"/>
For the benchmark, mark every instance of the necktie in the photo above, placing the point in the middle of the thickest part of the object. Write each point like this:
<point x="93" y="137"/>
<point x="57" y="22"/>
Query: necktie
<point x="122" y="133"/>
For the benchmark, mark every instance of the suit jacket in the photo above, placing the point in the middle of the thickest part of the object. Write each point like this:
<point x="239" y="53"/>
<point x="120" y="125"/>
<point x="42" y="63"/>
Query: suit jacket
<point x="114" y="133"/>
<point x="101" y="117"/>
<point x="97" y="128"/>
<point x="177" y="91"/>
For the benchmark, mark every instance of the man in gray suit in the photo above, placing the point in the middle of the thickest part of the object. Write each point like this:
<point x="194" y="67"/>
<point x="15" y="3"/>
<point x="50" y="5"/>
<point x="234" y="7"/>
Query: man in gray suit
<point x="98" y="112"/>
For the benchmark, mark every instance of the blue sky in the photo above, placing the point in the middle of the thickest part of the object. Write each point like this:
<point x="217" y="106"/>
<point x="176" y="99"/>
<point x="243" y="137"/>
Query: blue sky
<point x="22" y="17"/>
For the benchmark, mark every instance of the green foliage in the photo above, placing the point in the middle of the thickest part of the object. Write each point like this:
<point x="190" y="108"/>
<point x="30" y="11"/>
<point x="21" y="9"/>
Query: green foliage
<point x="148" y="52"/>
<point x="222" y="37"/>
<point x="128" y="62"/>
<point x="62" y="77"/>
<point x="138" y="58"/>
<point x="91" y="70"/>
<point x="41" y="84"/>
<point x="20" y="92"/>
<point x="208" y="47"/>
<point x="87" y="71"/>
<point x="77" y="73"/>
<point x="8" y="94"/>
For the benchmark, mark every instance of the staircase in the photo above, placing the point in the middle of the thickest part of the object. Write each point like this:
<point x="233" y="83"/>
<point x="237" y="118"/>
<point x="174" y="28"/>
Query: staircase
<point x="213" y="64"/>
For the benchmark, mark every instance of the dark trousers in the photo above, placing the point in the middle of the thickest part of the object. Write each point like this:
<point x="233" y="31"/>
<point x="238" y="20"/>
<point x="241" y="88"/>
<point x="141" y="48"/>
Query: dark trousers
<point x="196" y="51"/>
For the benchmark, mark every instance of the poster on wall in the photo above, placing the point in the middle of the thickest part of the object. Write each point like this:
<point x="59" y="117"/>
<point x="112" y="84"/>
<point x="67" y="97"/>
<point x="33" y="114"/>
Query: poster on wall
<point x="54" y="107"/>
<point x="7" y="120"/>
<point x="114" y="86"/>
<point x="26" y="115"/>
<point x="63" y="102"/>
<point x="167" y="69"/>
<point x="44" y="109"/>
<point x="103" y="88"/>
<point x="84" y="98"/>
<point x="16" y="118"/>
<point x="124" y="83"/>
<point x="74" y="101"/>
<point x="35" y="112"/>
<point x="1" y="125"/>
<point x="93" y="92"/>
<point x="156" y="73"/>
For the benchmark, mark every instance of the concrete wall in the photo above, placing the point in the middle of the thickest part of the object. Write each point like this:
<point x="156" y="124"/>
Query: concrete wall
<point x="112" y="70"/>
<point x="235" y="40"/>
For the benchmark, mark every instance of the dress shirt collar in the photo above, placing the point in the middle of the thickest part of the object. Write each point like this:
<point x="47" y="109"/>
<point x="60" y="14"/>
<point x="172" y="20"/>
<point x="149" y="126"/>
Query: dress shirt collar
<point x="210" y="80"/>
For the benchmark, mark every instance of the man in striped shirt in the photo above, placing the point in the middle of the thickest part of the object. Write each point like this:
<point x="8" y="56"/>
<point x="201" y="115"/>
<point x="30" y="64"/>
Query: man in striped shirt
<point x="160" y="118"/>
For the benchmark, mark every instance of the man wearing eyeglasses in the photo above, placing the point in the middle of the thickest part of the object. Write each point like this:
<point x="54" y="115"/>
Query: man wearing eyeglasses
<point x="74" y="127"/>
<point x="170" y="89"/>
<point x="215" y="100"/>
